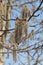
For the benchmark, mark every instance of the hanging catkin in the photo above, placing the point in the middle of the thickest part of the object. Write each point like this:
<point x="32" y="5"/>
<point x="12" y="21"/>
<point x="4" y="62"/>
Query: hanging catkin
<point x="25" y="27"/>
<point x="14" y="52"/>
<point x="18" y="31"/>
<point x="25" y="12"/>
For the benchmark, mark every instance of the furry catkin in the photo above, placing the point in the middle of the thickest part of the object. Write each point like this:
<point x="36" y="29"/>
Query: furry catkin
<point x="18" y="31"/>
<point x="25" y="28"/>
<point x="25" y="12"/>
<point x="21" y="29"/>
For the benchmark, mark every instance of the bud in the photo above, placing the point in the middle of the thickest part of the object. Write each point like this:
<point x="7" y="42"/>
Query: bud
<point x="0" y="1"/>
<point x="42" y="0"/>
<point x="42" y="21"/>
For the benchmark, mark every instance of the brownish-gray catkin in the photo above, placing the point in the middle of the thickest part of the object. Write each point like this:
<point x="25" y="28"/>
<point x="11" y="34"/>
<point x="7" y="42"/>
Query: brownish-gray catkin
<point x="21" y="29"/>
<point x="26" y="28"/>
<point x="25" y="12"/>
<point x="14" y="54"/>
<point x="18" y="31"/>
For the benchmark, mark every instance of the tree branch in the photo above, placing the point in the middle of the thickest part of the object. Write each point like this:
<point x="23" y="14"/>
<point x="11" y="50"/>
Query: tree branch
<point x="35" y="11"/>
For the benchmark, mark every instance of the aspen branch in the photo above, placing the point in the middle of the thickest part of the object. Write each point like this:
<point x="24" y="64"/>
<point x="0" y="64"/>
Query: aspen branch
<point x="35" y="11"/>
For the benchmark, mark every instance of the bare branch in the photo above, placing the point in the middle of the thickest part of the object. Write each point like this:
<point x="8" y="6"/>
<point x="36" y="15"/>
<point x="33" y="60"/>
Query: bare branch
<point x="35" y="11"/>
